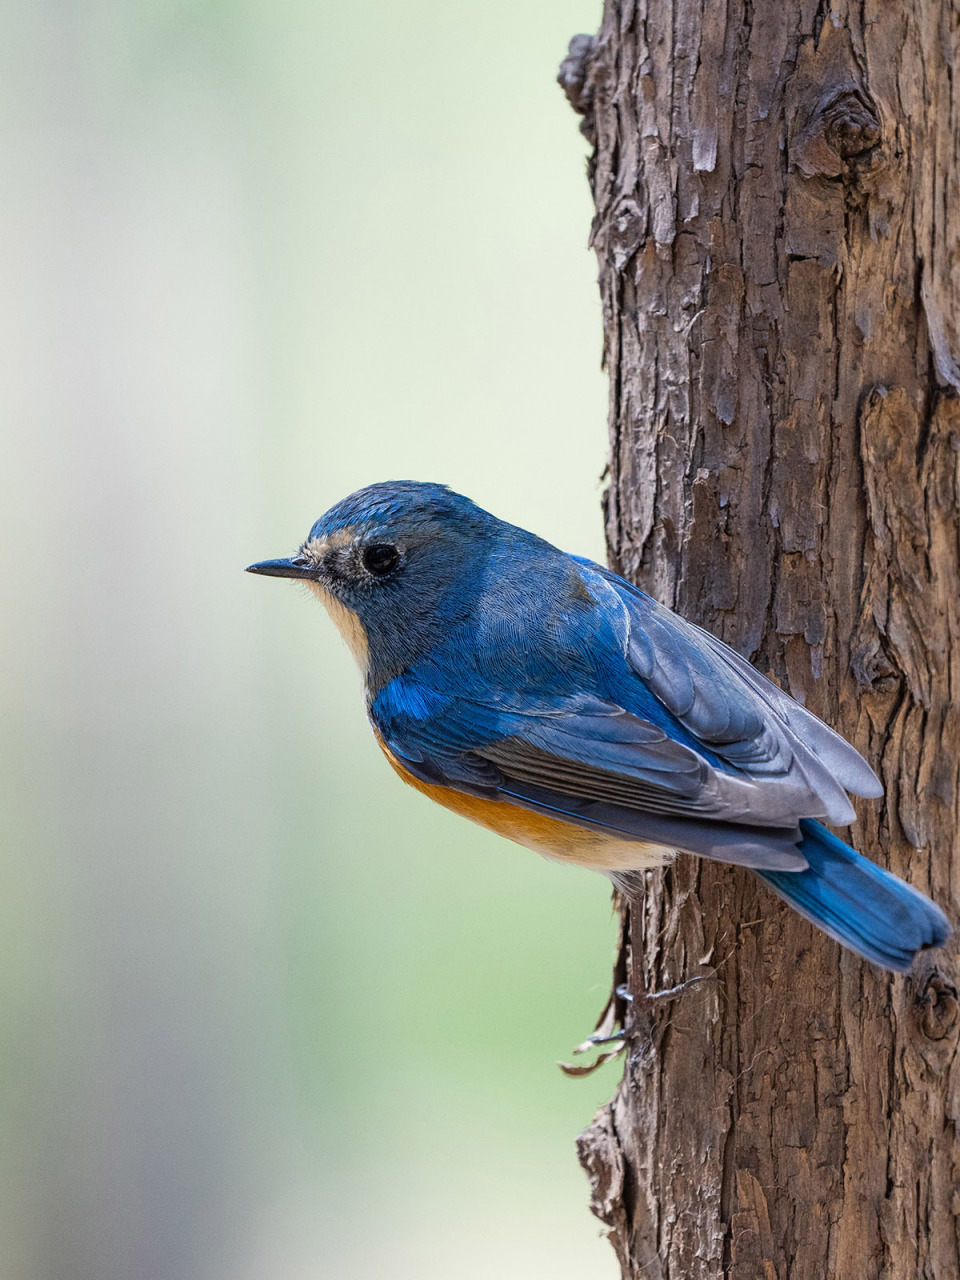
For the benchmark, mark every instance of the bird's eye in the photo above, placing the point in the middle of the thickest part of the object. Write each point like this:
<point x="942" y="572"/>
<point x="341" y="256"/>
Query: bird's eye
<point x="381" y="559"/>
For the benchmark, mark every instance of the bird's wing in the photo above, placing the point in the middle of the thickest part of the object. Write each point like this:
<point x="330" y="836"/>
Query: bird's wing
<point x="729" y="707"/>
<point x="587" y="762"/>
<point x="678" y="742"/>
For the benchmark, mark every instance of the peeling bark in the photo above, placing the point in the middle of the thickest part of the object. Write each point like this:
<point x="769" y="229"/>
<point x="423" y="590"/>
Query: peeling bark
<point x="778" y="234"/>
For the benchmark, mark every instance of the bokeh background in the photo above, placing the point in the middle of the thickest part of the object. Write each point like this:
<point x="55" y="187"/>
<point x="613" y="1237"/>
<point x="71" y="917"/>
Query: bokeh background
<point x="264" y="1012"/>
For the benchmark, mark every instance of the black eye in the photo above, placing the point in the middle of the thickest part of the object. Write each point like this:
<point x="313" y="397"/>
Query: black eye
<point x="381" y="559"/>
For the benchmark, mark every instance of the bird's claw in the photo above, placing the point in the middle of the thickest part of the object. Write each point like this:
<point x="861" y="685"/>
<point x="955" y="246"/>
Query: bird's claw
<point x="605" y="1033"/>
<point x="624" y="993"/>
<point x="599" y="1038"/>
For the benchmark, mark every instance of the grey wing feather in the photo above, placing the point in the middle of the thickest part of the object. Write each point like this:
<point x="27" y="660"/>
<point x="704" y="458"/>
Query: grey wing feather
<point x="599" y="751"/>
<point x="666" y="779"/>
<point x="730" y="707"/>
<point x="844" y="762"/>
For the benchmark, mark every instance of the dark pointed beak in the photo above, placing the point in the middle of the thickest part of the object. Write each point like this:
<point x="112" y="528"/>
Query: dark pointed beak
<point x="293" y="568"/>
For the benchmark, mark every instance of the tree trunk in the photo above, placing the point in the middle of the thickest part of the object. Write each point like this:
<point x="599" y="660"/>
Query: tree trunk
<point x="777" y="216"/>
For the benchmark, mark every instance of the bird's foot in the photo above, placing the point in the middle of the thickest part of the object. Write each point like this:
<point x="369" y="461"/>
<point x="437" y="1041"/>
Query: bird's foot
<point x="604" y="1033"/>
<point x="608" y="1033"/>
<point x="597" y="1038"/>
<point x="626" y="994"/>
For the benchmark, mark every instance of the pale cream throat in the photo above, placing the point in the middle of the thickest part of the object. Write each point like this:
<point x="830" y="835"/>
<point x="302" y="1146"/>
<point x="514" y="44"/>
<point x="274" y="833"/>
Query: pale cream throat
<point x="347" y="623"/>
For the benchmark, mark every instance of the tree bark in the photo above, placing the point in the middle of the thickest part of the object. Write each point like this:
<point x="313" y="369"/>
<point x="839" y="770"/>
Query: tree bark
<point x="777" y="218"/>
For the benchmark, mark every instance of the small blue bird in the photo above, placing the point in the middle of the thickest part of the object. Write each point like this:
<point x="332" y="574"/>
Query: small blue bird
<point x="548" y="699"/>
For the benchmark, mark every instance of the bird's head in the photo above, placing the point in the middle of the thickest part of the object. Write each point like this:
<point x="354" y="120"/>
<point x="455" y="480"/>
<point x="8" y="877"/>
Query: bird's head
<point x="398" y="566"/>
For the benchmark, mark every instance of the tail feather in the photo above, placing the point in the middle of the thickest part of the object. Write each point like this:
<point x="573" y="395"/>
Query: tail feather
<point x="859" y="904"/>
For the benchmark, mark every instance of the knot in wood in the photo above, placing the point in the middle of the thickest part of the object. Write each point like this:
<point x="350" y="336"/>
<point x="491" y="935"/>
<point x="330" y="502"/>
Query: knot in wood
<point x="839" y="137"/>
<point x="938" y="1007"/>
<point x="850" y="125"/>
<point x="871" y="661"/>
<point x="575" y="80"/>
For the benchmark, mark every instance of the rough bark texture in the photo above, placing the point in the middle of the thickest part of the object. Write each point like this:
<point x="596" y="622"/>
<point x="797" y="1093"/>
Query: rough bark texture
<point x="777" y="227"/>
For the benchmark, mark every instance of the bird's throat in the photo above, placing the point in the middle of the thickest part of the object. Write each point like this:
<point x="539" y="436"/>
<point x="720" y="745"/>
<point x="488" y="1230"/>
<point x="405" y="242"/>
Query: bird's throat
<point x="347" y="623"/>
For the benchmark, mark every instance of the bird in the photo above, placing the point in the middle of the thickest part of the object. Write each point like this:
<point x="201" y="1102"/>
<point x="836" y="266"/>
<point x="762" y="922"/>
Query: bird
<point x="550" y="700"/>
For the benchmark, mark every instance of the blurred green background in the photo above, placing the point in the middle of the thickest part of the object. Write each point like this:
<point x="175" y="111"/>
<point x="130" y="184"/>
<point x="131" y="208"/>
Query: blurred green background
<point x="266" y="1013"/>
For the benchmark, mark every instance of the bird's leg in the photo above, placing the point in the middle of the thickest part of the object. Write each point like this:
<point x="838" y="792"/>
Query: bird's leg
<point x="620" y="1000"/>
<point x="648" y="996"/>
<point x="668" y="994"/>
<point x="612" y="1038"/>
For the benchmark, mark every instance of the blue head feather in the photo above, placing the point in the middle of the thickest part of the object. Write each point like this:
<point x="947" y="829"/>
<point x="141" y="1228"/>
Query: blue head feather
<point x="445" y="545"/>
<point x="397" y="505"/>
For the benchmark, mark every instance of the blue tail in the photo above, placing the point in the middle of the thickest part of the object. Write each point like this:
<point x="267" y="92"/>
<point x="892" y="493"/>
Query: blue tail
<point x="853" y="900"/>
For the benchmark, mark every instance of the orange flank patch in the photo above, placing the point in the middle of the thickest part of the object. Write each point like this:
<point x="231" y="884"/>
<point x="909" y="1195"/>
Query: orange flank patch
<point x="561" y="841"/>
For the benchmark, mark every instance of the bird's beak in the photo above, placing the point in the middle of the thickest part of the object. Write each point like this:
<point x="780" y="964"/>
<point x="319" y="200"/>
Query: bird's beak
<point x="283" y="569"/>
